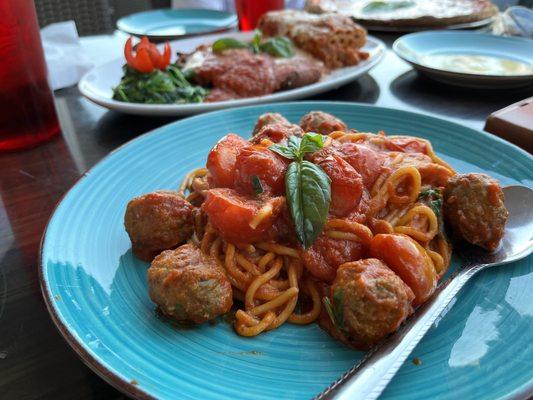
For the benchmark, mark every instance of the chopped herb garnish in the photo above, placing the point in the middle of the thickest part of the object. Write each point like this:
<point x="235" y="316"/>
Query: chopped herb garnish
<point x="256" y="185"/>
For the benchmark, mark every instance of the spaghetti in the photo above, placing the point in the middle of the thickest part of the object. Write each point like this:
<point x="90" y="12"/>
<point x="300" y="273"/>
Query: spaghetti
<point x="270" y="279"/>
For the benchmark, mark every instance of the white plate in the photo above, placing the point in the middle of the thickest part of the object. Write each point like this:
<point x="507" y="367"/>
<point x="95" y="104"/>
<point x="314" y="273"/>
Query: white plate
<point x="97" y="84"/>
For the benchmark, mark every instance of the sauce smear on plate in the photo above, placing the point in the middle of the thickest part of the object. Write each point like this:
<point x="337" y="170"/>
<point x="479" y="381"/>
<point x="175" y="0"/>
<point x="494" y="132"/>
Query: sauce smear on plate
<point x="477" y="64"/>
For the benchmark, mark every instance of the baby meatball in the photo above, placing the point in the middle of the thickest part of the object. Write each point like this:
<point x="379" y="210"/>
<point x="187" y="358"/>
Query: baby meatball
<point x="269" y="119"/>
<point x="276" y="133"/>
<point x="157" y="221"/>
<point x="321" y="122"/>
<point x="473" y="206"/>
<point x="188" y="285"/>
<point x="368" y="301"/>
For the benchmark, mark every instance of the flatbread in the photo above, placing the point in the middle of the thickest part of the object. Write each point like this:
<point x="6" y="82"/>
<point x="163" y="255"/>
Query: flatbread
<point x="411" y="13"/>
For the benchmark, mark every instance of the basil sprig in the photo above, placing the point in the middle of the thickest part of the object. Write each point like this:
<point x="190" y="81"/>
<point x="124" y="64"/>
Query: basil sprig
<point x="307" y="187"/>
<point x="278" y="46"/>
<point x="383" y="5"/>
<point x="335" y="311"/>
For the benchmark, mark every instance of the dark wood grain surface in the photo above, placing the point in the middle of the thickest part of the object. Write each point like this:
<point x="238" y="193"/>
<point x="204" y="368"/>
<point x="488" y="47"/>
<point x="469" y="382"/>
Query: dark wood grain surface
<point x="35" y="361"/>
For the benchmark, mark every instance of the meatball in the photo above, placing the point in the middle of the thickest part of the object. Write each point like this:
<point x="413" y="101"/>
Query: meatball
<point x="157" y="221"/>
<point x="269" y="119"/>
<point x="368" y="302"/>
<point x="188" y="285"/>
<point x="473" y="206"/>
<point x="277" y="133"/>
<point x="321" y="122"/>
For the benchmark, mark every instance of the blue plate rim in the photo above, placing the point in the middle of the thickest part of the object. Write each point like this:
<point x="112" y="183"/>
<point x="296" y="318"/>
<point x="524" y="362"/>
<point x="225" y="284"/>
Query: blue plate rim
<point x="231" y="24"/>
<point x="414" y="62"/>
<point x="99" y="367"/>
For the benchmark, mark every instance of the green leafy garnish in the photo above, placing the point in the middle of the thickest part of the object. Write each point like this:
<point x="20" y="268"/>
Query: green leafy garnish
<point x="383" y="5"/>
<point x="256" y="185"/>
<point x="256" y="41"/>
<point x="157" y="87"/>
<point x="335" y="310"/>
<point x="228" y="43"/>
<point x="433" y="198"/>
<point x="307" y="187"/>
<point x="279" y="46"/>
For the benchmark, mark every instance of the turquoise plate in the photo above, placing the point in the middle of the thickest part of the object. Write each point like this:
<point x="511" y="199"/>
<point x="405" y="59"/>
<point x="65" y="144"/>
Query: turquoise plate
<point x="414" y="47"/>
<point x="166" y="24"/>
<point x="96" y="290"/>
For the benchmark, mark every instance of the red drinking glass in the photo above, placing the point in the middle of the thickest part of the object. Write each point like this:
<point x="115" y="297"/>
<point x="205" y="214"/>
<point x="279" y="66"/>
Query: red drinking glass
<point x="27" y="113"/>
<point x="249" y="11"/>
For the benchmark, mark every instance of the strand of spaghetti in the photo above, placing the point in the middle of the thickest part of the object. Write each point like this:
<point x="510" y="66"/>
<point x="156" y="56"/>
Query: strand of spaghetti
<point x="437" y="259"/>
<point x="311" y="315"/>
<point x="356" y="231"/>
<point x="193" y="196"/>
<point x="204" y="244"/>
<point x="186" y="182"/>
<point x="246" y="264"/>
<point x="244" y="330"/>
<point x="215" y="248"/>
<point x="267" y="292"/>
<point x="268" y="257"/>
<point x="380" y="226"/>
<point x="396" y="178"/>
<point x="280" y="284"/>
<point x="436" y="159"/>
<point x="418" y="234"/>
<point x="441" y="246"/>
<point x="246" y="318"/>
<point x="352" y="237"/>
<point x="278" y="249"/>
<point x="425" y="254"/>
<point x="336" y="134"/>
<point x="263" y="213"/>
<point x="291" y="304"/>
<point x="352" y="137"/>
<point x="258" y="281"/>
<point x="395" y="215"/>
<point x="275" y="303"/>
<point x="243" y="278"/>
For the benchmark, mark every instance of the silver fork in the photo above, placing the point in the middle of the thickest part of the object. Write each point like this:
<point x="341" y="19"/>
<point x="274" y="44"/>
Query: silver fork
<point x="367" y="379"/>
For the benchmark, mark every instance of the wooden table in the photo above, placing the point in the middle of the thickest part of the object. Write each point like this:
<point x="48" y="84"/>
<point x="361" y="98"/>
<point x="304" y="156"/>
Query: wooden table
<point x="35" y="361"/>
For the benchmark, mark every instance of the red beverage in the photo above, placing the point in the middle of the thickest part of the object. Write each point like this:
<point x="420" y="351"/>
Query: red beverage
<point x="249" y="11"/>
<point x="27" y="113"/>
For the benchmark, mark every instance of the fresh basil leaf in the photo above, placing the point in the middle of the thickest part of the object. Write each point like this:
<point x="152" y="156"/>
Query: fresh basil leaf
<point x="308" y="191"/>
<point x="333" y="313"/>
<point x="311" y="142"/>
<point x="226" y="44"/>
<point x="294" y="144"/>
<point x="383" y="5"/>
<point x="338" y="309"/>
<point x="278" y="47"/>
<point x="329" y="309"/>
<point x="283" y="151"/>
<point x="256" y="41"/>
<point x="256" y="185"/>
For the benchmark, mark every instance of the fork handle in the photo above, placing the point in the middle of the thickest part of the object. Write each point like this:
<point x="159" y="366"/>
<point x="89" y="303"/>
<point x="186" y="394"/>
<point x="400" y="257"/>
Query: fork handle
<point x="370" y="377"/>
